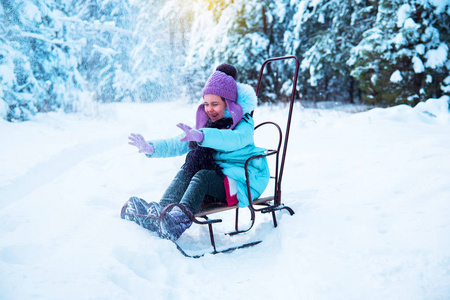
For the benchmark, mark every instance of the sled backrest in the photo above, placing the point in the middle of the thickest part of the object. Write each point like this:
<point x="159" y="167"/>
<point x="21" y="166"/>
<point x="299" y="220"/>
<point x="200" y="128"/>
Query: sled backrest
<point x="279" y="168"/>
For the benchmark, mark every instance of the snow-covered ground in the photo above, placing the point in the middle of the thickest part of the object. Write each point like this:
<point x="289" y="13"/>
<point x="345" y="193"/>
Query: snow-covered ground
<point x="370" y="190"/>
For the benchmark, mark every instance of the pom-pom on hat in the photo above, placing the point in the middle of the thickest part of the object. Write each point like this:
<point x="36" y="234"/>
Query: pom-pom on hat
<point x="221" y="83"/>
<point x="227" y="69"/>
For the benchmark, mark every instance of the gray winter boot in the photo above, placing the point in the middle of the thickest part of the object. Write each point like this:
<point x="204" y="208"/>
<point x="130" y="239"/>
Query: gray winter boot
<point x="144" y="214"/>
<point x="175" y="223"/>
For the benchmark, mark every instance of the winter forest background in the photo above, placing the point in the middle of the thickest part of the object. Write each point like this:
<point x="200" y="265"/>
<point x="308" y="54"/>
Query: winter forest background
<point x="68" y="54"/>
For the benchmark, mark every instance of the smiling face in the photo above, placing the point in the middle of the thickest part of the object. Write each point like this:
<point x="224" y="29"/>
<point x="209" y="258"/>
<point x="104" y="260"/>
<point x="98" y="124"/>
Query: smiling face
<point x="214" y="107"/>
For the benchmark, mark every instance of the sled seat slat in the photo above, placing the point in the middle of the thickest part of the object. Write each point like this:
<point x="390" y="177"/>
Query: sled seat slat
<point x="212" y="209"/>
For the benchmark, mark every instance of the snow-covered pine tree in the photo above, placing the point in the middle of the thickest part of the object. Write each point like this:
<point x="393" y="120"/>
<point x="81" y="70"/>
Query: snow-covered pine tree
<point x="37" y="69"/>
<point x="162" y="30"/>
<point x="178" y="14"/>
<point x="277" y="82"/>
<point x="242" y="33"/>
<point x="304" y="25"/>
<point x="104" y="31"/>
<point x="206" y="33"/>
<point x="403" y="58"/>
<point x="322" y="34"/>
<point x="246" y="27"/>
<point x="437" y="50"/>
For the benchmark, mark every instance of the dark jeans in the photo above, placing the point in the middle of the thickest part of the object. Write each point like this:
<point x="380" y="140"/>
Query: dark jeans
<point x="192" y="190"/>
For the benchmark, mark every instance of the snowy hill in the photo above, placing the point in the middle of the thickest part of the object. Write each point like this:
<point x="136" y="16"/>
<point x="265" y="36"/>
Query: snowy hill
<point x="370" y="191"/>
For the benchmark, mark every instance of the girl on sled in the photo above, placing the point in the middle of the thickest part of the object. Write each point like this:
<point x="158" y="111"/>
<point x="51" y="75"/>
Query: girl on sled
<point x="216" y="149"/>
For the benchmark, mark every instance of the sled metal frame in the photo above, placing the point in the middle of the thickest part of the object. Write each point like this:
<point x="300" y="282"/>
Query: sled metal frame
<point x="270" y="204"/>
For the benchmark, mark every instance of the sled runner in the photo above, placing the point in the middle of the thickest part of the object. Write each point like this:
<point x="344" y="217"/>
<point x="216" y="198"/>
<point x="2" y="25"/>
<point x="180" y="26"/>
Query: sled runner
<point x="264" y="205"/>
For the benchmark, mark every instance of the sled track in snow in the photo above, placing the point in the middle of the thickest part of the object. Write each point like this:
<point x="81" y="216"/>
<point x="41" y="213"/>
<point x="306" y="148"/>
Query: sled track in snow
<point x="51" y="169"/>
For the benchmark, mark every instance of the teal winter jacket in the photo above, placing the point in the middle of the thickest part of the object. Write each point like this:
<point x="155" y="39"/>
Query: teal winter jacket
<point x="232" y="149"/>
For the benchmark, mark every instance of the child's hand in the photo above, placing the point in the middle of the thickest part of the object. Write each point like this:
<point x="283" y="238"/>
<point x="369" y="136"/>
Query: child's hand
<point x="191" y="134"/>
<point x="139" y="141"/>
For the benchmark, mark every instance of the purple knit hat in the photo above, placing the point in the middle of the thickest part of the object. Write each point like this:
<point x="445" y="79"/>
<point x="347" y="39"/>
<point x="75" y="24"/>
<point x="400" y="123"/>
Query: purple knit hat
<point x="223" y="85"/>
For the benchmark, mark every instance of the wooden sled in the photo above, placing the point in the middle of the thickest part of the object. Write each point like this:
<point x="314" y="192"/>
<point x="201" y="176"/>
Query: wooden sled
<point x="264" y="205"/>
